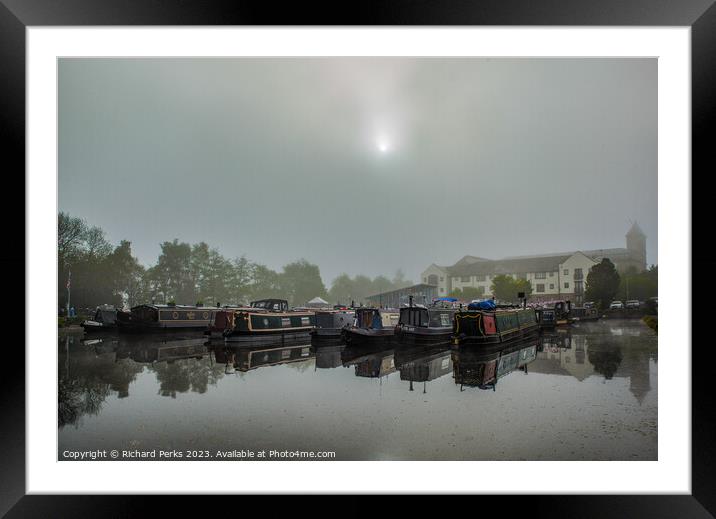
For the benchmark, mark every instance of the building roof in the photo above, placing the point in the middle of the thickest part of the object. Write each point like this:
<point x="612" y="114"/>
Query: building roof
<point x="510" y="266"/>
<point x="413" y="288"/>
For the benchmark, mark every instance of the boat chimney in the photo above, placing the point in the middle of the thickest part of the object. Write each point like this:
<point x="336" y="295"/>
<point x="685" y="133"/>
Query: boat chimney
<point x="410" y="301"/>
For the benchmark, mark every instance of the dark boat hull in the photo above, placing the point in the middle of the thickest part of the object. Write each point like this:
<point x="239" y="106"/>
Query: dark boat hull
<point x="269" y="337"/>
<point x="419" y="335"/>
<point x="498" y="338"/>
<point x="94" y="327"/>
<point x="141" y="327"/>
<point x="363" y="336"/>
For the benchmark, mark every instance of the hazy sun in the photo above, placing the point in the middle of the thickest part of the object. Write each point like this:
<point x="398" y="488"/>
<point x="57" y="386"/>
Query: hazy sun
<point x="383" y="146"/>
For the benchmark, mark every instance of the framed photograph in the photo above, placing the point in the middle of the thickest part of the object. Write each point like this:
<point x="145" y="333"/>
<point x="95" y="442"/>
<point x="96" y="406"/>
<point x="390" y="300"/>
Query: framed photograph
<point x="418" y="255"/>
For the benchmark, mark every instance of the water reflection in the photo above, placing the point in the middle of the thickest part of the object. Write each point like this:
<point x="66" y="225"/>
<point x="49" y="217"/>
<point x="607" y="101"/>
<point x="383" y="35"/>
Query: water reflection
<point x="95" y="373"/>
<point x="369" y="361"/>
<point x="484" y="367"/>
<point x="423" y="363"/>
<point x="247" y="358"/>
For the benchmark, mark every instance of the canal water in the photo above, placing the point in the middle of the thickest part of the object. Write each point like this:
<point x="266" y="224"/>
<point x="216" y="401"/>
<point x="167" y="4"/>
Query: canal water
<point x="585" y="393"/>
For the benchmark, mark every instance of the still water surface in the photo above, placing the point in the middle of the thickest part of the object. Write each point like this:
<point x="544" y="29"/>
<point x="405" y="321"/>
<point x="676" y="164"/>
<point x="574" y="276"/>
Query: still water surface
<point x="586" y="393"/>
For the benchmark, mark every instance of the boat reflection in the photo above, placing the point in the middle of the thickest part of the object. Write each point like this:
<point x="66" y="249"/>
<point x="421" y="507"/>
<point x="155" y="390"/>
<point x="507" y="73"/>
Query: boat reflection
<point x="152" y="351"/>
<point x="485" y="367"/>
<point x="423" y="363"/>
<point x="375" y="361"/>
<point x="247" y="358"/>
<point x="327" y="355"/>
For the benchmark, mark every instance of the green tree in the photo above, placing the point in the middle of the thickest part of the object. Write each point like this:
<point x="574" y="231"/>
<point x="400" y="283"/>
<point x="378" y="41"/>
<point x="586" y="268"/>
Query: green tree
<point x="265" y="283"/>
<point x="302" y="282"/>
<point x="173" y="273"/>
<point x="342" y="290"/>
<point x="522" y="285"/>
<point x="602" y="283"/>
<point x="400" y="281"/>
<point x="381" y="284"/>
<point x="638" y="285"/>
<point x="504" y="288"/>
<point x="468" y="293"/>
<point x="126" y="274"/>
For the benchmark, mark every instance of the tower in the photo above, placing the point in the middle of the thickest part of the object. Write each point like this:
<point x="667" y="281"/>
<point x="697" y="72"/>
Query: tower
<point x="636" y="245"/>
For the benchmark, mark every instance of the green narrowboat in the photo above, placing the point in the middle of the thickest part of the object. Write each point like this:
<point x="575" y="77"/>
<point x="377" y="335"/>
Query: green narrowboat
<point x="268" y="318"/>
<point x="476" y="327"/>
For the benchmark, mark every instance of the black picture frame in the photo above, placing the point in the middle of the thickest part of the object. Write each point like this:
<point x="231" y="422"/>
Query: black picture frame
<point x="700" y="15"/>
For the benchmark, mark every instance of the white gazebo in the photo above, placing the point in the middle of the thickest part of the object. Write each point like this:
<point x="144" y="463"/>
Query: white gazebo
<point x="318" y="302"/>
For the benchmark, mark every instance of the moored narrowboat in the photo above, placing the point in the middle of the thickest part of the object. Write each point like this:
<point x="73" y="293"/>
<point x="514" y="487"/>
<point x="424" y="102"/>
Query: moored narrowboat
<point x="585" y="314"/>
<point x="165" y="318"/>
<point x="222" y="321"/>
<point x="371" y="325"/>
<point x="104" y="319"/>
<point x="330" y="323"/>
<point x="475" y="327"/>
<point x="266" y="319"/>
<point x="557" y="313"/>
<point x="419" y="325"/>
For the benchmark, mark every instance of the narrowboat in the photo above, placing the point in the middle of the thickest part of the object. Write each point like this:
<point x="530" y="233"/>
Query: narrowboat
<point x="418" y="325"/>
<point x="330" y="323"/>
<point x="245" y="359"/>
<point x="165" y="318"/>
<point x="373" y="362"/>
<point x="499" y="326"/>
<point x="370" y="326"/>
<point x="266" y="319"/>
<point x="104" y="319"/>
<point x="585" y="314"/>
<point x="553" y="314"/>
<point x="222" y="319"/>
<point x="483" y="368"/>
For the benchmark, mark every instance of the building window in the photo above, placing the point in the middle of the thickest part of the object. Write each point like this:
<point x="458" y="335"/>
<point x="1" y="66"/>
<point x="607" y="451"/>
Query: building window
<point x="566" y="272"/>
<point x="442" y="289"/>
<point x="566" y="285"/>
<point x="521" y="276"/>
<point x="425" y="280"/>
<point x="578" y="274"/>
<point x="551" y="286"/>
<point x="479" y="278"/>
<point x="442" y="278"/>
<point x="579" y="287"/>
<point x="465" y="279"/>
<point x="540" y="275"/>
<point x="540" y="287"/>
<point x="551" y="274"/>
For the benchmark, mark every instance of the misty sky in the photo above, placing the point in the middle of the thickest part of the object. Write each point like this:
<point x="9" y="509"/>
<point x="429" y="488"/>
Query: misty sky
<point x="361" y="165"/>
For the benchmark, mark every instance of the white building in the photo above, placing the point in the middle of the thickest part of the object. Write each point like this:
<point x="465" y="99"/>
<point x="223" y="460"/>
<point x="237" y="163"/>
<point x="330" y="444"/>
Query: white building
<point x="552" y="276"/>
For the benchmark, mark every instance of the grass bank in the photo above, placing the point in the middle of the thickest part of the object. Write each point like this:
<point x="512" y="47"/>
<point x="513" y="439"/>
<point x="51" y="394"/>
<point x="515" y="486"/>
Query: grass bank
<point x="652" y="321"/>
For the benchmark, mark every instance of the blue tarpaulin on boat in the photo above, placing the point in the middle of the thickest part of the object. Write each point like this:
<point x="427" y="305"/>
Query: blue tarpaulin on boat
<point x="450" y="299"/>
<point x="487" y="304"/>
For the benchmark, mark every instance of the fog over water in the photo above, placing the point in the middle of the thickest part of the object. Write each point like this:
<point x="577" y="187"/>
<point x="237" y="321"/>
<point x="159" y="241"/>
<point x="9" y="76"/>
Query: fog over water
<point x="361" y="165"/>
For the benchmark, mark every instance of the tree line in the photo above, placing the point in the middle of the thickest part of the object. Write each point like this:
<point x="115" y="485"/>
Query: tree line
<point x="101" y="273"/>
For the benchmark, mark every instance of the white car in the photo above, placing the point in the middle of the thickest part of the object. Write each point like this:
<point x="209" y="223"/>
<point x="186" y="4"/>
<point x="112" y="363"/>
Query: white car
<point x="616" y="305"/>
<point x="633" y="304"/>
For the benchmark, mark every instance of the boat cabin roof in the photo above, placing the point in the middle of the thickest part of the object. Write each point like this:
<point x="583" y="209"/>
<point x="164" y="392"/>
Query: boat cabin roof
<point x="179" y="307"/>
<point x="270" y="304"/>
